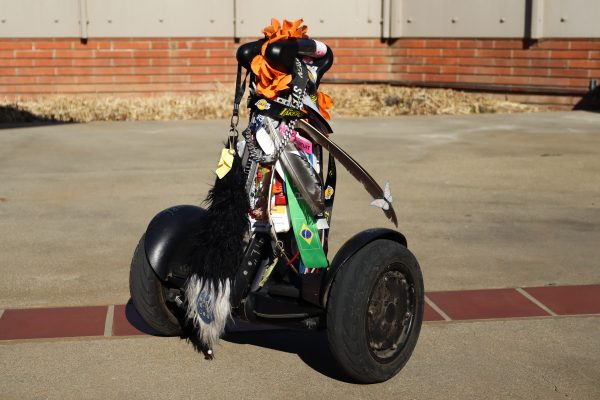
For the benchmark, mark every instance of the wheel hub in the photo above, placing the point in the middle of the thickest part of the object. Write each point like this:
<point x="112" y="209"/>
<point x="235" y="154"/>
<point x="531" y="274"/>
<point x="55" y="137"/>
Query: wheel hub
<point x="389" y="313"/>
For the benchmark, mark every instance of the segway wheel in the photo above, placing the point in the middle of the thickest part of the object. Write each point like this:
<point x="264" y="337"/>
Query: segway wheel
<point x="148" y="294"/>
<point x="375" y="311"/>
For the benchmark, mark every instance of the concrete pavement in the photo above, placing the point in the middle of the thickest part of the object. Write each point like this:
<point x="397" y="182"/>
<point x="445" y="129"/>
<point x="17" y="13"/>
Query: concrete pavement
<point x="486" y="201"/>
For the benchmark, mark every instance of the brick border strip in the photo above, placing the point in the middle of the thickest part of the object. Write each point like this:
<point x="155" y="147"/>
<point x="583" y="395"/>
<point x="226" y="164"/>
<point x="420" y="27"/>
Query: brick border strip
<point x="463" y="305"/>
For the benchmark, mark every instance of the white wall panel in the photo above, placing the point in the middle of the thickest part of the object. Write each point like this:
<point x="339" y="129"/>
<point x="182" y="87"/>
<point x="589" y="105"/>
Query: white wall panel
<point x="325" y="18"/>
<point x="39" y="18"/>
<point x="458" y="18"/>
<point x="345" y="18"/>
<point x="571" y="18"/>
<point x="160" y="18"/>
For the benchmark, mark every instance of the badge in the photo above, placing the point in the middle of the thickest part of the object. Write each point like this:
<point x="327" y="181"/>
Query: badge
<point x="328" y="192"/>
<point x="262" y="104"/>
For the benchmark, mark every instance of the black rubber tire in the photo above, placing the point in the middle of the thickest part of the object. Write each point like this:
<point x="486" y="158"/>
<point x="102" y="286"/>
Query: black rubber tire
<point x="148" y="295"/>
<point x="349" y="301"/>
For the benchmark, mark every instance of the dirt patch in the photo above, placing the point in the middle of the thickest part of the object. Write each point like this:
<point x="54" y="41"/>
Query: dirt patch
<point x="356" y="101"/>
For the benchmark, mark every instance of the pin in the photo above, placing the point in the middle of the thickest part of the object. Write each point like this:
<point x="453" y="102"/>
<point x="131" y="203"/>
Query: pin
<point x="225" y="162"/>
<point x="387" y="199"/>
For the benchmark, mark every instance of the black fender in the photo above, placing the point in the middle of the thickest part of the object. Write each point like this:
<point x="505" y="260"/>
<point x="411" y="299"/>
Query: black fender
<point x="169" y="241"/>
<point x="350" y="248"/>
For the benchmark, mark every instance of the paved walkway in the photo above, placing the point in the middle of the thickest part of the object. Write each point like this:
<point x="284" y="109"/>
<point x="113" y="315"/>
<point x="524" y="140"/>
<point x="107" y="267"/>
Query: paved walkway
<point x="502" y="212"/>
<point x="465" y="305"/>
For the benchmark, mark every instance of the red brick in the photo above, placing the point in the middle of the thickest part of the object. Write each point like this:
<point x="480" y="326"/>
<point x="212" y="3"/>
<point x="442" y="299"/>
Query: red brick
<point x="409" y="60"/>
<point x="548" y="63"/>
<point x="475" y="78"/>
<point x="35" y="71"/>
<point x="180" y="61"/>
<point x="230" y="69"/>
<point x="429" y="69"/>
<point x="94" y="79"/>
<point x="571" y="73"/>
<point x="494" y="53"/>
<point x="370" y="68"/>
<point x="209" y="78"/>
<point x="125" y="44"/>
<point x="53" y="62"/>
<point x="209" y="45"/>
<point x="399" y="68"/>
<point x="113" y="71"/>
<point x="53" y="45"/>
<point x="584" y="64"/>
<point x="458" y="53"/>
<point x="411" y="77"/>
<point x="17" y="80"/>
<point x="73" y="54"/>
<point x="531" y="53"/>
<point x="380" y="60"/>
<point x="511" y="62"/>
<point x="479" y="61"/>
<point x="410" y="43"/>
<point x="553" y="44"/>
<point x="531" y="71"/>
<point x="170" y="78"/>
<point x="351" y="60"/>
<point x="218" y="53"/>
<point x="547" y="81"/>
<point x="189" y="70"/>
<point x="363" y="52"/>
<point x="31" y="54"/>
<point x="441" y="61"/>
<point x="508" y="44"/>
<point x="344" y="52"/>
<point x="355" y="43"/>
<point x="511" y="80"/>
<point x="57" y="80"/>
<point x="585" y="45"/>
<point x="454" y="69"/>
<point x="17" y="62"/>
<point x="441" y="78"/>
<point x="92" y="44"/>
<point x="157" y="70"/>
<point x="425" y="52"/>
<point x="132" y="79"/>
<point x="12" y="45"/>
<point x="441" y="44"/>
<point x="570" y="54"/>
<point x="6" y="54"/>
<point x="92" y="62"/>
<point x="131" y="62"/>
<point x="74" y="71"/>
<point x="493" y="71"/>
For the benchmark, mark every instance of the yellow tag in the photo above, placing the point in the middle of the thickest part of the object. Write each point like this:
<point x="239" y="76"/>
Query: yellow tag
<point x="225" y="162"/>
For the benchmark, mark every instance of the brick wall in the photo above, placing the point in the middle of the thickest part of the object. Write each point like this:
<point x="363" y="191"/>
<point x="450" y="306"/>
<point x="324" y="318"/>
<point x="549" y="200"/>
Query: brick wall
<point x="142" y="66"/>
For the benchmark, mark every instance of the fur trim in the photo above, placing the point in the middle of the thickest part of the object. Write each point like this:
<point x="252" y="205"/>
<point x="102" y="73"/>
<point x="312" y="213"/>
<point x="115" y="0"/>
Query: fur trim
<point x="208" y="308"/>
<point x="219" y="248"/>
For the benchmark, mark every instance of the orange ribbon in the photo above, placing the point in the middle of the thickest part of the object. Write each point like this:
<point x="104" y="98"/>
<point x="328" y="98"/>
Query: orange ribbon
<point x="325" y="103"/>
<point x="270" y="81"/>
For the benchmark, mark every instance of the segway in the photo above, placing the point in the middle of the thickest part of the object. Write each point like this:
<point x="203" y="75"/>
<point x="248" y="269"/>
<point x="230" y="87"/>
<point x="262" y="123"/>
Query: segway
<point x="258" y="251"/>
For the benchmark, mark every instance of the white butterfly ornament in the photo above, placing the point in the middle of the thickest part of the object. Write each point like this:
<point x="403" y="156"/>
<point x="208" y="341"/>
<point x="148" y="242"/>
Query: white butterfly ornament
<point x="387" y="199"/>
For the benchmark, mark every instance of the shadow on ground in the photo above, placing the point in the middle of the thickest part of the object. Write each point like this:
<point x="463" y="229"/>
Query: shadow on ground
<point x="11" y="116"/>
<point x="311" y="347"/>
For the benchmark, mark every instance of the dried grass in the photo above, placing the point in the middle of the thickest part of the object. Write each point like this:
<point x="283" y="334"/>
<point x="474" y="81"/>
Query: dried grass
<point x="356" y="101"/>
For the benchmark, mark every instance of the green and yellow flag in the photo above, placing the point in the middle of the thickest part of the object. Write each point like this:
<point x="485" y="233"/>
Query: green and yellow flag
<point x="305" y="230"/>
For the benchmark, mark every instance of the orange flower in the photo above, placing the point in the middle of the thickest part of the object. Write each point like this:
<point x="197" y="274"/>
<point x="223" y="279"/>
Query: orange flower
<point x="325" y="103"/>
<point x="269" y="80"/>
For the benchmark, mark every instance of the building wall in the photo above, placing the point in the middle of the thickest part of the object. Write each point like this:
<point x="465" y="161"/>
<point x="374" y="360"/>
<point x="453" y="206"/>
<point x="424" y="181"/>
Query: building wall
<point x="150" y="66"/>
